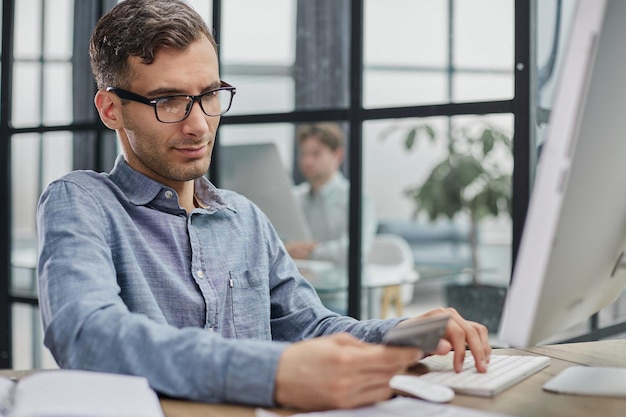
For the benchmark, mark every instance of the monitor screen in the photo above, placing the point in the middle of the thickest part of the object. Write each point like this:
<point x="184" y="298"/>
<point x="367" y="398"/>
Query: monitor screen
<point x="571" y="260"/>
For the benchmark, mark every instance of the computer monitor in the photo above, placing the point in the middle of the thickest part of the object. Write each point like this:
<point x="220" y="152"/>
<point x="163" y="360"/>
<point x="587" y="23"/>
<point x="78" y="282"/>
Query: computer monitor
<point x="570" y="263"/>
<point x="256" y="171"/>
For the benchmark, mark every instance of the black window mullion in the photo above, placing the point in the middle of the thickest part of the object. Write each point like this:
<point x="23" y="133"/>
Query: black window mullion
<point x="355" y="117"/>
<point x="522" y="113"/>
<point x="8" y="11"/>
<point x="214" y="167"/>
<point x="91" y="149"/>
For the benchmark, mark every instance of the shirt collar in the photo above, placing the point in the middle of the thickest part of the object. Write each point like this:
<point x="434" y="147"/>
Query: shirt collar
<point x="142" y="190"/>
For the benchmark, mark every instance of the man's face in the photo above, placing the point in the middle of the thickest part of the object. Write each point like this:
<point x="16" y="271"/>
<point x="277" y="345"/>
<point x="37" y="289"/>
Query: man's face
<point x="318" y="162"/>
<point x="171" y="153"/>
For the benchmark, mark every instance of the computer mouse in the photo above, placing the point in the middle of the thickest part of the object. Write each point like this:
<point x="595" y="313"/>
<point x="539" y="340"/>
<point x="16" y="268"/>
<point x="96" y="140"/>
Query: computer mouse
<point x="420" y="388"/>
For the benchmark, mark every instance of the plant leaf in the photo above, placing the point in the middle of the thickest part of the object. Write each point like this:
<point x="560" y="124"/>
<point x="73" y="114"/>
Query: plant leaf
<point x="488" y="141"/>
<point x="410" y="139"/>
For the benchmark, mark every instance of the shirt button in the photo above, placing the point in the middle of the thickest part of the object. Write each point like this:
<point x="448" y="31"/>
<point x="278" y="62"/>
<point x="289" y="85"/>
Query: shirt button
<point x="169" y="194"/>
<point x="200" y="274"/>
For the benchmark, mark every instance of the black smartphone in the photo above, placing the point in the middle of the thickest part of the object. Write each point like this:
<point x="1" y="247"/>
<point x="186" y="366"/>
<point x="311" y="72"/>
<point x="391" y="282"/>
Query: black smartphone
<point x="423" y="334"/>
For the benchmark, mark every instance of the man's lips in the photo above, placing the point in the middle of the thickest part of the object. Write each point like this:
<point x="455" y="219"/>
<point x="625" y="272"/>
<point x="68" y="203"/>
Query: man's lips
<point x="193" y="152"/>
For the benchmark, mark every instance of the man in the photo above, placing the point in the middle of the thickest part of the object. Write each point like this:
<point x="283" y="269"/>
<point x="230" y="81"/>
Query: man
<point x="150" y="270"/>
<point x="324" y="198"/>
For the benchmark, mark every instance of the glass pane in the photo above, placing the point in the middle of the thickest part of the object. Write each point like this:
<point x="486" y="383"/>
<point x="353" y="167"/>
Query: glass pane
<point x="274" y="19"/>
<point x="262" y="75"/>
<point x="275" y="93"/>
<point x="414" y="45"/>
<point x="427" y="88"/>
<point x="26" y="109"/>
<point x="56" y="157"/>
<point x="27" y="41"/>
<point x="483" y="34"/>
<point x="57" y="97"/>
<point x="204" y="9"/>
<point x="397" y="163"/>
<point x="36" y="161"/>
<point x="296" y="177"/>
<point x="59" y="16"/>
<point x="477" y="87"/>
<point x="483" y="49"/>
<point x="28" y="349"/>
<point x="413" y="71"/>
<point x="453" y="42"/>
<point x="305" y="69"/>
<point x="26" y="187"/>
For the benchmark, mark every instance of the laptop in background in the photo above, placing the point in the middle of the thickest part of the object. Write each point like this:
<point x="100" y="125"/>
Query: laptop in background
<point x="256" y="171"/>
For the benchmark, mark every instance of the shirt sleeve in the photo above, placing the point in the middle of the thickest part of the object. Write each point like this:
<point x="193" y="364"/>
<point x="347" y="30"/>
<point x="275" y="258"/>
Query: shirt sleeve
<point x="297" y="312"/>
<point x="88" y="326"/>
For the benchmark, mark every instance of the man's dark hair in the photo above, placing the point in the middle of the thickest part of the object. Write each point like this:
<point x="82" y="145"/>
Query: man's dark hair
<point x="138" y="28"/>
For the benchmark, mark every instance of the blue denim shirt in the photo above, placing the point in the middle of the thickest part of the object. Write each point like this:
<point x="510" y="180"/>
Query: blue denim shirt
<point x="201" y="304"/>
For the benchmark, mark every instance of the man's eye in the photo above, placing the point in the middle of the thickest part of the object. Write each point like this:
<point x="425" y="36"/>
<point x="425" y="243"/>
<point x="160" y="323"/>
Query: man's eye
<point x="172" y="102"/>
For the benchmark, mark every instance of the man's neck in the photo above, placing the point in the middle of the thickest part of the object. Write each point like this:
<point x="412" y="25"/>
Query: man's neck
<point x="186" y="196"/>
<point x="316" y="186"/>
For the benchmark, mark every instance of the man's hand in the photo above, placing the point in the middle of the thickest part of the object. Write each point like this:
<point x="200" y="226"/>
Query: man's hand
<point x="338" y="371"/>
<point x="460" y="335"/>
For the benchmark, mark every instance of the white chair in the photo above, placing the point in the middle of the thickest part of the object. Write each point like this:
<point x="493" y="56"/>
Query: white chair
<point x="390" y="265"/>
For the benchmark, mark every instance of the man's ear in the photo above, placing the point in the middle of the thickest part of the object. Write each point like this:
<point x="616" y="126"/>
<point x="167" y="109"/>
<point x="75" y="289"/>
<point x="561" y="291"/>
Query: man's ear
<point x="109" y="108"/>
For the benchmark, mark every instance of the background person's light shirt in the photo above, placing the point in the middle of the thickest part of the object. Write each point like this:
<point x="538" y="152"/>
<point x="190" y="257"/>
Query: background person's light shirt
<point x="327" y="214"/>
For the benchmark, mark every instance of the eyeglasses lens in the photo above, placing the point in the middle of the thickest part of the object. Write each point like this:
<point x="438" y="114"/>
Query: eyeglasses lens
<point x="175" y="109"/>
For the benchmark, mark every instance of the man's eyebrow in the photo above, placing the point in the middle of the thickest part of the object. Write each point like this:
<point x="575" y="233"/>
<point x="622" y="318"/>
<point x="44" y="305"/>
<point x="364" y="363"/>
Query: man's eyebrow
<point x="164" y="91"/>
<point x="212" y="86"/>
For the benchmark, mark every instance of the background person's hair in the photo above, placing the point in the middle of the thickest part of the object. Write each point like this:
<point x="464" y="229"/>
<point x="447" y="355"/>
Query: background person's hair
<point x="139" y="28"/>
<point x="330" y="134"/>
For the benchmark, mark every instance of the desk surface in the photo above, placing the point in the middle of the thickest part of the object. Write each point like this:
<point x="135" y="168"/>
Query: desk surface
<point x="526" y="399"/>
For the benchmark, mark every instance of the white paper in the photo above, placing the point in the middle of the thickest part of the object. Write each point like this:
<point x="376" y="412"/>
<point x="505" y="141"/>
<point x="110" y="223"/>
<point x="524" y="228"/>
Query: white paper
<point x="397" y="407"/>
<point x="71" y="393"/>
<point x="6" y="392"/>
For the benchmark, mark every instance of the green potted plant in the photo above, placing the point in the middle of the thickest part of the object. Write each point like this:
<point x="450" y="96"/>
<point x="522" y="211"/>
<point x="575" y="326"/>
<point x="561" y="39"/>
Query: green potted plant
<point x="470" y="181"/>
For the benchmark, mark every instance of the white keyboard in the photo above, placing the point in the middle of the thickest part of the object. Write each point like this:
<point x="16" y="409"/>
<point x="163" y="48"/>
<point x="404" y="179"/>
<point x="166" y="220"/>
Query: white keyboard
<point x="503" y="372"/>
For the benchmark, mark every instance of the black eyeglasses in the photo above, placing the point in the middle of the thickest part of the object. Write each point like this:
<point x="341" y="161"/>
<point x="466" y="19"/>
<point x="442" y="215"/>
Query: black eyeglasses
<point x="176" y="108"/>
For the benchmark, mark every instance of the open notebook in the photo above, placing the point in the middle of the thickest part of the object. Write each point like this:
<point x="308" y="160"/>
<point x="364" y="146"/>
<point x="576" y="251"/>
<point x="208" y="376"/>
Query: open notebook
<point x="72" y="393"/>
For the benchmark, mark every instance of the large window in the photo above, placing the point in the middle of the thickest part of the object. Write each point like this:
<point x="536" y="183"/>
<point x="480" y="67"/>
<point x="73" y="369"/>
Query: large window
<point x="406" y="62"/>
<point x="402" y="80"/>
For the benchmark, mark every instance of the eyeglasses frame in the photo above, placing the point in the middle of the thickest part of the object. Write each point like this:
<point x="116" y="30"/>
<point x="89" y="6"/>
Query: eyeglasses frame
<point x="129" y="95"/>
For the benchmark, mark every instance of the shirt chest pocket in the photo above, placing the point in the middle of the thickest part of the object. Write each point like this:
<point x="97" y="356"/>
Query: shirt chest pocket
<point x="249" y="298"/>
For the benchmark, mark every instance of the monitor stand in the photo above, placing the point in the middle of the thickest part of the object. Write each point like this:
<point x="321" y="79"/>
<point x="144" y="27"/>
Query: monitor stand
<point x="589" y="380"/>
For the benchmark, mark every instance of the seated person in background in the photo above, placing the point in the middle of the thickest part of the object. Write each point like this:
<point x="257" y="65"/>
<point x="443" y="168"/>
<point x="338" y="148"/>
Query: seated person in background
<point x="324" y="198"/>
<point x="150" y="270"/>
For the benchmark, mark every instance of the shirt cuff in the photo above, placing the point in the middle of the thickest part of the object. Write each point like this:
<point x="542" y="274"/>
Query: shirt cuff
<point x="251" y="372"/>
